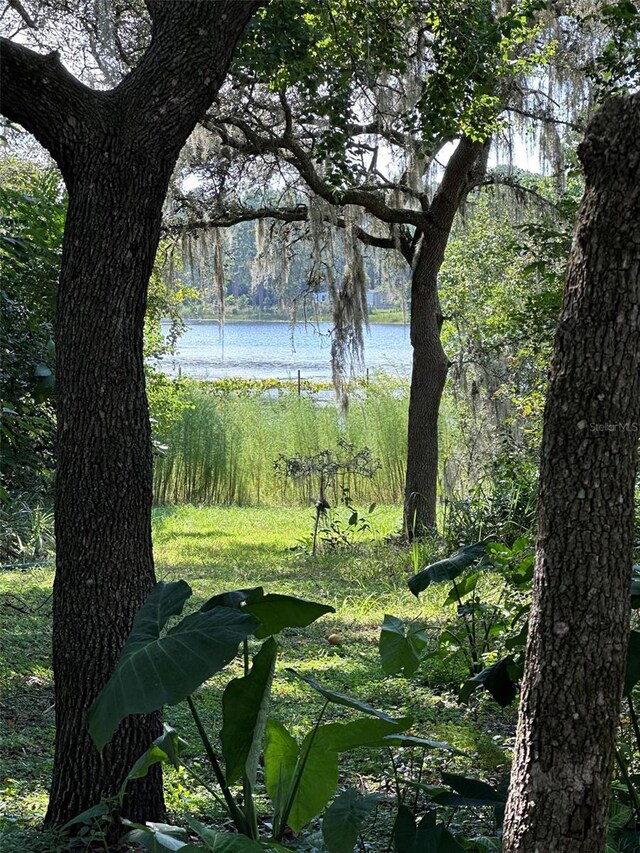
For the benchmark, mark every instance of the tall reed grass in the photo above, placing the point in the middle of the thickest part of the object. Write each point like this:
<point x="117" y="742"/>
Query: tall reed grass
<point x="222" y="448"/>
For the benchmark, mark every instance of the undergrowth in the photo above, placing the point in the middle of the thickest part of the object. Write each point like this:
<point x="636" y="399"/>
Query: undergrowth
<point x="216" y="549"/>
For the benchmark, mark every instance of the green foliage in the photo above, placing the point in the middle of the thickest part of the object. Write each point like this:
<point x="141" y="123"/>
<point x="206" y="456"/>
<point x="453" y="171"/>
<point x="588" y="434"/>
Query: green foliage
<point x="501" y="287"/>
<point x="327" y="53"/>
<point x="333" y="55"/>
<point x="501" y="506"/>
<point x="344" y="532"/>
<point x="221" y="450"/>
<point x="473" y="50"/>
<point x="615" y="68"/>
<point x="482" y="629"/>
<point x="26" y="529"/>
<point x="32" y="212"/>
<point x="300" y="776"/>
<point x="344" y="819"/>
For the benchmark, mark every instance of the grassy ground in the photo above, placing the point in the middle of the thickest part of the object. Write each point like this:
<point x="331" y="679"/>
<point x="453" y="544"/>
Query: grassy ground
<point x="217" y="549"/>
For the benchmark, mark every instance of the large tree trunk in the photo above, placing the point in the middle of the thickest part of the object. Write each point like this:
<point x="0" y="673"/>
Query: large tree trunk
<point x="103" y="485"/>
<point x="579" y="623"/>
<point x="464" y="170"/>
<point x="116" y="151"/>
<point x="428" y="377"/>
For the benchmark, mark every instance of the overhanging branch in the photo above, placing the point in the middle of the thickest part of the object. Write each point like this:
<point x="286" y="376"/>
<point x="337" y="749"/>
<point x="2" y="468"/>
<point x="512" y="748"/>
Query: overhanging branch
<point x="41" y="95"/>
<point x="299" y="213"/>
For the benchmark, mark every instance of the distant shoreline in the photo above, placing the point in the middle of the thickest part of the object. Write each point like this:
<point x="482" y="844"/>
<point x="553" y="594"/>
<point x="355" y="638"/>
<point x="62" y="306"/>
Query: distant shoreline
<point x="373" y="320"/>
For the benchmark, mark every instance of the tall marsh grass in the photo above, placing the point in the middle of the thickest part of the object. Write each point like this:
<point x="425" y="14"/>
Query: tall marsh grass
<point x="222" y="449"/>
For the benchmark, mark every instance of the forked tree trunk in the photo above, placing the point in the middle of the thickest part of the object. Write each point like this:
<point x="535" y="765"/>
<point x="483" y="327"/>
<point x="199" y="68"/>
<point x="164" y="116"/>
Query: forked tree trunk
<point x="578" y="629"/>
<point x="116" y="151"/>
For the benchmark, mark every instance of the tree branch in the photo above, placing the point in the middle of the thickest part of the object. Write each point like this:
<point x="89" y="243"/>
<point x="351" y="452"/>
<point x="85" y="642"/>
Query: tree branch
<point x="26" y="17"/>
<point x="299" y="213"/>
<point x="41" y="95"/>
<point x="182" y="69"/>
<point x="292" y="152"/>
<point x="493" y="179"/>
<point x="545" y="117"/>
<point x="460" y="176"/>
<point x="154" y="105"/>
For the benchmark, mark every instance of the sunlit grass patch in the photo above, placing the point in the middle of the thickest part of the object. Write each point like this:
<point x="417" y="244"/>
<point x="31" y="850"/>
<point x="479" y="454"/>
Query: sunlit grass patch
<point x="224" y="548"/>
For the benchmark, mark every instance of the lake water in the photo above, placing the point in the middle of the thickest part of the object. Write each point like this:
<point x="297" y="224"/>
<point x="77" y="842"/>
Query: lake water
<point x="254" y="350"/>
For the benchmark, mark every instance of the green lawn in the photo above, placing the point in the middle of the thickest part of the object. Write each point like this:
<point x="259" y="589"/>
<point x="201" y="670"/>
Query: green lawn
<point x="223" y="548"/>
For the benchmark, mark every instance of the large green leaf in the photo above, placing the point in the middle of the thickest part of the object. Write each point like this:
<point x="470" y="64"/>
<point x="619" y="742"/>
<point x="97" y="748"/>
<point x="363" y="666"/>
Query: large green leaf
<point x="318" y="781"/>
<point x="632" y="673"/>
<point x="344" y="818"/>
<point x="158" y="839"/>
<point x="424" y="743"/>
<point x="498" y="679"/>
<point x="280" y="758"/>
<point x="400" y="648"/>
<point x="165" y="749"/>
<point x="100" y="810"/>
<point x="427" y="837"/>
<point x="224" y="842"/>
<point x="276" y="612"/>
<point x="469" y="792"/>
<point x="446" y="570"/>
<point x="313" y="767"/>
<point x="466" y="585"/>
<point x="234" y="598"/>
<point x="363" y="731"/>
<point x="244" y="714"/>
<point x="154" y="671"/>
<point x="341" y="698"/>
<point x="319" y="778"/>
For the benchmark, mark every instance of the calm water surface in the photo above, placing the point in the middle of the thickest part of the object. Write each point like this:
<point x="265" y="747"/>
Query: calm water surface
<point x="254" y="350"/>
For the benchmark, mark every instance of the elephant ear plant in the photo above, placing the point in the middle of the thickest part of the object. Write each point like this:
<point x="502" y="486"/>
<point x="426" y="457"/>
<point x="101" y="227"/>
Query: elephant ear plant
<point x="162" y="667"/>
<point x="482" y="629"/>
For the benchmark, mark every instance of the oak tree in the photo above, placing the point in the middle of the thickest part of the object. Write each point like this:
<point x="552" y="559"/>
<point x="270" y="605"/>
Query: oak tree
<point x="380" y="115"/>
<point x="116" y="149"/>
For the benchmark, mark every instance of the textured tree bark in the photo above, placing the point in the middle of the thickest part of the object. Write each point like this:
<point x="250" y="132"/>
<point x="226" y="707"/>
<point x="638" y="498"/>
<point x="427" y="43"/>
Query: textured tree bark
<point x="428" y="377"/>
<point x="579" y="623"/>
<point x="465" y="169"/>
<point x="116" y="151"/>
<point x="103" y="484"/>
